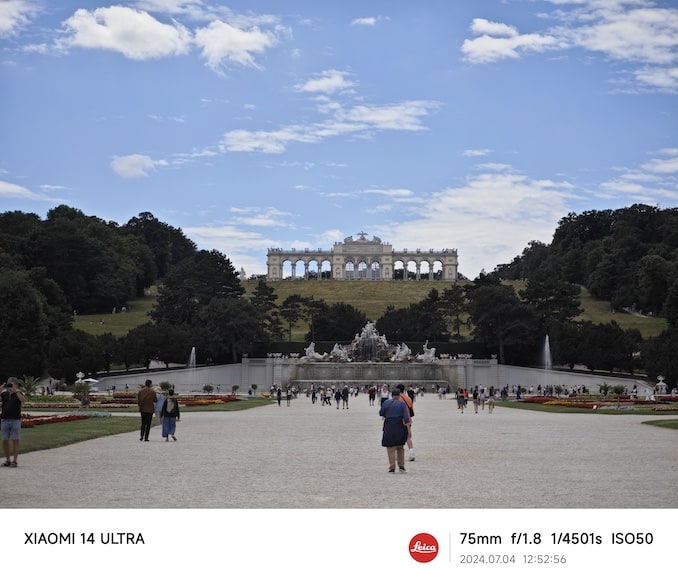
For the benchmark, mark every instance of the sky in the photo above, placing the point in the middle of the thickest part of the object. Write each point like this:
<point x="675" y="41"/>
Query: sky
<point x="475" y="125"/>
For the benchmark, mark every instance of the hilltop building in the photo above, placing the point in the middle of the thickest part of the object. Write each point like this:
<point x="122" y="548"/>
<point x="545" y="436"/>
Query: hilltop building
<point x="360" y="258"/>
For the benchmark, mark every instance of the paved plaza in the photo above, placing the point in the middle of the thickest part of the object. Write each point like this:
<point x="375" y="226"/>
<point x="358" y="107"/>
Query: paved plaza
<point x="313" y="456"/>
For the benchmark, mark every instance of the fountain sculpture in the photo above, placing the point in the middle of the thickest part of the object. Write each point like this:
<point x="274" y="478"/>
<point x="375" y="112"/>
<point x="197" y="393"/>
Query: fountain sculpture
<point x="371" y="347"/>
<point x="369" y="358"/>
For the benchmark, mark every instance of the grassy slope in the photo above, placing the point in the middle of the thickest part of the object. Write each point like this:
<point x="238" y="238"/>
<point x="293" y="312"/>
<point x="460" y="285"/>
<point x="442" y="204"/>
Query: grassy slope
<point x="119" y="323"/>
<point x="372" y="297"/>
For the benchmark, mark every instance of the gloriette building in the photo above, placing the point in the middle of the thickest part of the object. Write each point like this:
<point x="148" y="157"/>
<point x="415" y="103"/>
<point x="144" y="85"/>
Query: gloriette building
<point x="360" y="258"/>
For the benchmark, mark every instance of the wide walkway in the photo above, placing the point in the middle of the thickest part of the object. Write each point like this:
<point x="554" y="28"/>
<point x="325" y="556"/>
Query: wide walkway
<point x="313" y="456"/>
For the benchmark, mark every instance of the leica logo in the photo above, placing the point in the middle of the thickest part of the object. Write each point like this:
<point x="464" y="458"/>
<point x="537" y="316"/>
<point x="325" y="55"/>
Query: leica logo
<point x="419" y="547"/>
<point x="423" y="548"/>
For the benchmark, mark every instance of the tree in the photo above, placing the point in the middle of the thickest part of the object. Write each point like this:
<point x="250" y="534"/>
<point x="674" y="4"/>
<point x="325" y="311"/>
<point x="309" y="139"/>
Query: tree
<point x="29" y="384"/>
<point x="608" y="347"/>
<point x="337" y="322"/>
<point x="660" y="356"/>
<point x="292" y="310"/>
<point x="671" y="305"/>
<point x="552" y="299"/>
<point x="192" y="284"/>
<point x="73" y="352"/>
<point x="138" y="346"/>
<point x="24" y="326"/>
<point x="499" y="317"/>
<point x="229" y="328"/>
<point x="95" y="264"/>
<point x="417" y="322"/>
<point x="453" y="306"/>
<point x="168" y="245"/>
<point x="653" y="277"/>
<point x="263" y="301"/>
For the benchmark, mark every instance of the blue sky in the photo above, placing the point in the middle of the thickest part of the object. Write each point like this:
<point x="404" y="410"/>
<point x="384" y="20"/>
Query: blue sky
<point x="474" y="125"/>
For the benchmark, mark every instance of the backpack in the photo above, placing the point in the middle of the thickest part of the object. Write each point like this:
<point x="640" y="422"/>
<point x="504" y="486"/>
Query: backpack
<point x="171" y="406"/>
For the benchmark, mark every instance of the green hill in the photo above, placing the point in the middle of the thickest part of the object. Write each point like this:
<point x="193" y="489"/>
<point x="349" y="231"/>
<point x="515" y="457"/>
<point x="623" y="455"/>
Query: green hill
<point x="371" y="297"/>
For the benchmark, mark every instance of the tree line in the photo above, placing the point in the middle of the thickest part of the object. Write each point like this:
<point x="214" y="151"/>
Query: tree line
<point x="71" y="262"/>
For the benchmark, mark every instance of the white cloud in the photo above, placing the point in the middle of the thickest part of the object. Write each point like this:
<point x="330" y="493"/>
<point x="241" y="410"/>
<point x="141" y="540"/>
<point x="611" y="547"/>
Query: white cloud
<point x="357" y="121"/>
<point x="269" y="142"/>
<point x="368" y="20"/>
<point x="404" y="116"/>
<point x="135" y="34"/>
<point x="237" y="244"/>
<point x="657" y="179"/>
<point x="645" y="34"/>
<point x="476" y="152"/>
<point x="396" y="193"/>
<point x="267" y="217"/>
<point x="668" y="164"/>
<point x="630" y="31"/>
<point x="486" y="219"/>
<point x="51" y="188"/>
<point x="18" y="192"/>
<point x="487" y="48"/>
<point x="14" y="14"/>
<point x="327" y="82"/>
<point x="663" y="79"/>
<point x="481" y="26"/>
<point x="222" y="43"/>
<point x="193" y="8"/>
<point x="134" y="166"/>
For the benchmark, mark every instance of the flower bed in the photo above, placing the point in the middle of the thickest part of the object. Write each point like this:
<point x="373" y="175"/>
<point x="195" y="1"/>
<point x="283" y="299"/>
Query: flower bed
<point x="28" y="421"/>
<point x="206" y="400"/>
<point x="50" y="405"/>
<point x="666" y="408"/>
<point x="118" y="401"/>
<point x="595" y="403"/>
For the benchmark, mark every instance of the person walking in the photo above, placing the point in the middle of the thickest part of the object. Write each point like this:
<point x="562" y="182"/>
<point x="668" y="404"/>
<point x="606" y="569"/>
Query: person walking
<point x="405" y="397"/>
<point x="372" y="394"/>
<point x="170" y="415"/>
<point x="344" y="397"/>
<point x="395" y="431"/>
<point x="12" y="399"/>
<point x="146" y="399"/>
<point x="383" y="394"/>
<point x="461" y="400"/>
<point x="157" y="407"/>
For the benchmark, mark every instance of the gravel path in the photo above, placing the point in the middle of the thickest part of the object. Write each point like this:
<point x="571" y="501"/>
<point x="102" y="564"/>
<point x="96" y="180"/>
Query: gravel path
<point x="313" y="456"/>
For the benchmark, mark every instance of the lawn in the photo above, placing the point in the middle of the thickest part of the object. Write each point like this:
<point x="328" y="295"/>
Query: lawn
<point x="120" y="323"/>
<point x="58" y="434"/>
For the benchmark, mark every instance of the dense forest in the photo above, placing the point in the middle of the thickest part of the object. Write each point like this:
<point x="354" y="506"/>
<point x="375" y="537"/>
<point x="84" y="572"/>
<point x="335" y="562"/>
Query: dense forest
<point x="70" y="263"/>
